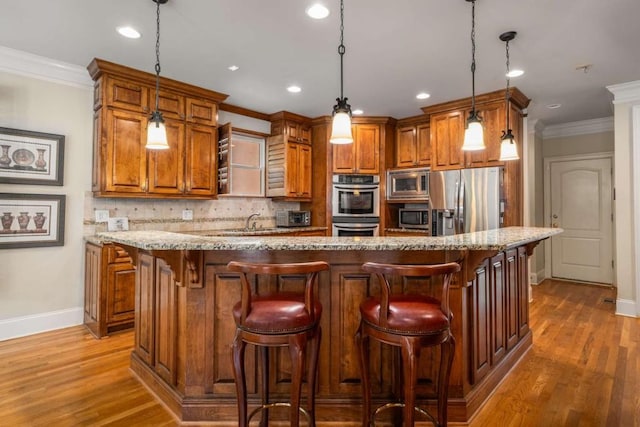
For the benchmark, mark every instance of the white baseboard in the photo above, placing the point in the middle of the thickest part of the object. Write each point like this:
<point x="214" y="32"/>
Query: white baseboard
<point x="42" y="322"/>
<point x="537" y="277"/>
<point x="626" y="307"/>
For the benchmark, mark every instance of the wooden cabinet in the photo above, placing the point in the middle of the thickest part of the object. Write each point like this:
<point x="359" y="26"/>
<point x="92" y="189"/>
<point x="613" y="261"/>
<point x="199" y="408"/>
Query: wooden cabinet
<point x="295" y="128"/>
<point x="123" y="167"/>
<point x="108" y="289"/>
<point x="240" y="163"/>
<point x="289" y="162"/>
<point x="413" y="145"/>
<point x="448" y="122"/>
<point x="363" y="155"/>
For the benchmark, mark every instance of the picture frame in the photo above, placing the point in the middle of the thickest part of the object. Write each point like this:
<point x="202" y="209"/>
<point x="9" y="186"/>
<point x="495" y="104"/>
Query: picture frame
<point x="31" y="220"/>
<point x="28" y="157"/>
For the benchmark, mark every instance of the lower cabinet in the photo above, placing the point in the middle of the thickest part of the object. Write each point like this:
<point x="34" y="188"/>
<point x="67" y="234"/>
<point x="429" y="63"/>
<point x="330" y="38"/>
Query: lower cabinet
<point x="499" y="309"/>
<point x="108" y="289"/>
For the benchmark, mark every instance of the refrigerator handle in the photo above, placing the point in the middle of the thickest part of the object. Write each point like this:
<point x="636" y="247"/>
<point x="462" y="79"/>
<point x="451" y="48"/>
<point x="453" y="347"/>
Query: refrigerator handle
<point x="456" y="212"/>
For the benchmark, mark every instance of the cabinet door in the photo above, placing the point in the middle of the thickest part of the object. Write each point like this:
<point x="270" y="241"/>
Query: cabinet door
<point x="523" y="292"/>
<point x="304" y="171"/>
<point x="343" y="157"/>
<point x="170" y="104"/>
<point x="92" y="277"/>
<point x="511" y="285"/>
<point x="201" y="162"/>
<point x="144" y="342"/>
<point x="498" y="298"/>
<point x="202" y="112"/>
<point x="406" y="146"/>
<point x="304" y="133"/>
<point x="127" y="95"/>
<point x="480" y="324"/>
<point x="367" y="146"/>
<point x="166" y="167"/>
<point x="120" y="284"/>
<point x="298" y="171"/>
<point x="447" y="136"/>
<point x="125" y="166"/>
<point x="493" y="119"/>
<point x="423" y="149"/>
<point x="165" y="322"/>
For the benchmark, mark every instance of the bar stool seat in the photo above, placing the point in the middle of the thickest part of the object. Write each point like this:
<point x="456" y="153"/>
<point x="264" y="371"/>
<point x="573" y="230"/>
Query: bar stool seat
<point x="278" y="319"/>
<point x="410" y="322"/>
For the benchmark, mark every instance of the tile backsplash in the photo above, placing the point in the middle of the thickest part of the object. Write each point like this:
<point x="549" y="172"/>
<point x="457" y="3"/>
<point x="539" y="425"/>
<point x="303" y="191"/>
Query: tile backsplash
<point x="162" y="214"/>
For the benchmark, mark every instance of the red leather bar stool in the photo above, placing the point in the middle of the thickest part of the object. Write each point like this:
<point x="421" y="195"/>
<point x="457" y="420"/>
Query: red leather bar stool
<point x="411" y="322"/>
<point x="278" y="319"/>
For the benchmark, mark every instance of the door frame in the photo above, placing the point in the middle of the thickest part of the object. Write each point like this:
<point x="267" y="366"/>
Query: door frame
<point x="547" y="201"/>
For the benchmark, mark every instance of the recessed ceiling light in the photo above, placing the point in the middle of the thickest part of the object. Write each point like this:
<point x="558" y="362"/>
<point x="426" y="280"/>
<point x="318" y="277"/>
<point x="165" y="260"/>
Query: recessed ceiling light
<point x="553" y="106"/>
<point x="294" y="89"/>
<point x="357" y="112"/>
<point x="233" y="67"/>
<point x="423" y="95"/>
<point x="318" y="11"/>
<point x="128" y="32"/>
<point x="515" y="73"/>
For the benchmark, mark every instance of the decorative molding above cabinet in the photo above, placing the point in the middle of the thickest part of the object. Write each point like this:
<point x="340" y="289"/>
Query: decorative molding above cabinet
<point x="122" y="167"/>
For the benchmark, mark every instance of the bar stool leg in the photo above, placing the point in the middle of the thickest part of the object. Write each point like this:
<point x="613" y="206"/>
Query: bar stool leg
<point x="264" y="355"/>
<point x="362" y="344"/>
<point x="410" y="357"/>
<point x="446" y="360"/>
<point x="297" y="344"/>
<point x="238" y="371"/>
<point x="312" y="373"/>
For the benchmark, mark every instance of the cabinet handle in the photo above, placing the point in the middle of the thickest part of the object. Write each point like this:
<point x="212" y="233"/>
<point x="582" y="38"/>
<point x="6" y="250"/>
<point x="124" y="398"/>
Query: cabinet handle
<point x="145" y="109"/>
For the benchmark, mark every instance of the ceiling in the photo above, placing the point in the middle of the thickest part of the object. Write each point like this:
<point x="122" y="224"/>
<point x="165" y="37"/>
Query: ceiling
<point x="394" y="49"/>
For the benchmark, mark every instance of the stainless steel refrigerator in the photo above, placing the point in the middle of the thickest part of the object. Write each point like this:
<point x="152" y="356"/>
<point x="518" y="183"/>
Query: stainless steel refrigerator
<point x="466" y="200"/>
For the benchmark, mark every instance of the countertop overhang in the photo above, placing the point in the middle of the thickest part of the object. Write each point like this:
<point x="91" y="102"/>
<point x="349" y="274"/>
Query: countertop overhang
<point x="494" y="240"/>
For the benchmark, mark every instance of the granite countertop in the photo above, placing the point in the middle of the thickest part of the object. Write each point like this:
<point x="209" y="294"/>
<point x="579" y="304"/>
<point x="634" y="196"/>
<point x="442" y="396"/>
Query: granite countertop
<point x="500" y="239"/>
<point x="256" y="232"/>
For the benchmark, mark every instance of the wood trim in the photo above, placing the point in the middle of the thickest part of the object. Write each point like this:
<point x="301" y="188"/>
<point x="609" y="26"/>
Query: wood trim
<point x="415" y="120"/>
<point x="244" y="112"/>
<point x="98" y="67"/>
<point x="517" y="98"/>
<point x="249" y="132"/>
<point x="286" y="115"/>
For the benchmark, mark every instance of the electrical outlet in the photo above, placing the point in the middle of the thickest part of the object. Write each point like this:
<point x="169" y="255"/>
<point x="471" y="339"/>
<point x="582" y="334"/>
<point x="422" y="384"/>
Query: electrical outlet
<point x="102" y="215"/>
<point x="187" y="215"/>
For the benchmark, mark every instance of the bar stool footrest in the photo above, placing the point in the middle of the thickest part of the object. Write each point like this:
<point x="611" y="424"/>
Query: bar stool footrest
<point x="401" y="405"/>
<point x="279" y="405"/>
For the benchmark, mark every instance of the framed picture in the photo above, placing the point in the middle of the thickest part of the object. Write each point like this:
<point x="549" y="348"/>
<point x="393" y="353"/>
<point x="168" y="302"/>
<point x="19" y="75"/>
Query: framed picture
<point x="31" y="220"/>
<point x="28" y="157"/>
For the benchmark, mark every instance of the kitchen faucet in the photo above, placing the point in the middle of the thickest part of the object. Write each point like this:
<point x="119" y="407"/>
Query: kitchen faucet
<point x="253" y="227"/>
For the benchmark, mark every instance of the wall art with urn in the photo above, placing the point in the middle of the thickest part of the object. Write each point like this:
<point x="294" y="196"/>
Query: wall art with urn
<point x="30" y="220"/>
<point x="28" y="157"/>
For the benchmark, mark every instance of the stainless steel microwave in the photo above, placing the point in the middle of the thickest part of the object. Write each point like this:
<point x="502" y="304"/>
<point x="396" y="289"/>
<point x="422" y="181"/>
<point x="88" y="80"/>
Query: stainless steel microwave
<point x="414" y="218"/>
<point x="408" y="184"/>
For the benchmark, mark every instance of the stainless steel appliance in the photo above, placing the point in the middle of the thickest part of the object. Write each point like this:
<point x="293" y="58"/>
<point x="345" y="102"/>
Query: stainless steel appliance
<point x="414" y="216"/>
<point x="466" y="200"/>
<point x="293" y="218"/>
<point x="346" y="229"/>
<point x="356" y="196"/>
<point x="408" y="184"/>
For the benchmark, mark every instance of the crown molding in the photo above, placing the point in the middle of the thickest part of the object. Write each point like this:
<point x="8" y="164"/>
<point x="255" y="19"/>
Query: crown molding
<point x="583" y="127"/>
<point x="30" y="65"/>
<point x="625" y="92"/>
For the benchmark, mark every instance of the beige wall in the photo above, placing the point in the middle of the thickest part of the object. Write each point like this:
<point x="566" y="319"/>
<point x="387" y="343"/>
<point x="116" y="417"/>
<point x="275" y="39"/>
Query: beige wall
<point x="43" y="280"/>
<point x="578" y="144"/>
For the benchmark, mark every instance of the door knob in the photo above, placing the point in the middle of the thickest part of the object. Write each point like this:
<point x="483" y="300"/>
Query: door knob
<point x="555" y="216"/>
<point x="554" y="225"/>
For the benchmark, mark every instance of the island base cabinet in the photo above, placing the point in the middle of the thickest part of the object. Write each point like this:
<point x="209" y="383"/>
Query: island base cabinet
<point x="185" y="330"/>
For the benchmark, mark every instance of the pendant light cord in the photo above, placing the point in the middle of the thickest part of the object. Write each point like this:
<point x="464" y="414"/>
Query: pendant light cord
<point x="341" y="48"/>
<point x="507" y="94"/>
<point x="157" y="52"/>
<point x="473" y="56"/>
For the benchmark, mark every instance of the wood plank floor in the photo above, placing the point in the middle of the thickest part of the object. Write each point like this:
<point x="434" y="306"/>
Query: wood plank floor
<point x="583" y="370"/>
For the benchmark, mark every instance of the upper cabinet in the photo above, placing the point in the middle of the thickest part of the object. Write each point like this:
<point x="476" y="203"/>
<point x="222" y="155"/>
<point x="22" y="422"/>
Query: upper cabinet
<point x="289" y="157"/>
<point x="122" y="167"/>
<point x="363" y="155"/>
<point x="413" y="143"/>
<point x="448" y="122"/>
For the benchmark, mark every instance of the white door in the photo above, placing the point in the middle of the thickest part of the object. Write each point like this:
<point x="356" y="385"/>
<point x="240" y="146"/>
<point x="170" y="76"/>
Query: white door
<point x="581" y="204"/>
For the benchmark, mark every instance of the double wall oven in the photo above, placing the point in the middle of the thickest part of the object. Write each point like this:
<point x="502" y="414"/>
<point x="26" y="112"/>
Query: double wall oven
<point x="356" y="205"/>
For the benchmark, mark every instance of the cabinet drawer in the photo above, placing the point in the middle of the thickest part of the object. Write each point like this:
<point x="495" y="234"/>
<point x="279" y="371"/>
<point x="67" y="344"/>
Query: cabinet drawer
<point x="127" y="95"/>
<point x="171" y="105"/>
<point x="202" y="112"/>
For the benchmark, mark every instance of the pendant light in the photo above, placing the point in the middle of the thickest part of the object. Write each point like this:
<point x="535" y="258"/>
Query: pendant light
<point x="341" y="123"/>
<point x="156" y="131"/>
<point x="473" y="134"/>
<point x="508" y="147"/>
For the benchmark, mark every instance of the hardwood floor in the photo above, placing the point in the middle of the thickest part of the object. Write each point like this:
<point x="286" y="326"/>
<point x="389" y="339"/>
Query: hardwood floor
<point x="583" y="370"/>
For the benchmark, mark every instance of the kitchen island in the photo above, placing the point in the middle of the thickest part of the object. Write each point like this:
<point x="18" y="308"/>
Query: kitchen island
<point x="184" y="328"/>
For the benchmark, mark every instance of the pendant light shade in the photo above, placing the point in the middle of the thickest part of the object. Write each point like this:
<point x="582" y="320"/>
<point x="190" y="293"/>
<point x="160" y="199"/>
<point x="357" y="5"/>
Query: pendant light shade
<point x="156" y="131"/>
<point x="341" y="123"/>
<point x="508" y="147"/>
<point x="474" y="134"/>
